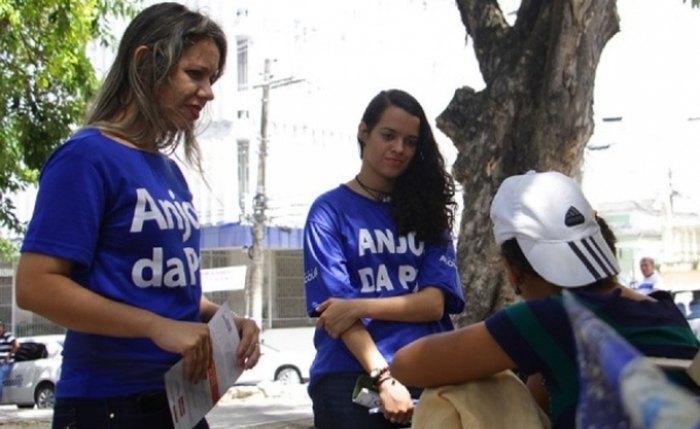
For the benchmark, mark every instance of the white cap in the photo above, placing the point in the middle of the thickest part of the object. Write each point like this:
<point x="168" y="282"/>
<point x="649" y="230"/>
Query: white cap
<point x="555" y="227"/>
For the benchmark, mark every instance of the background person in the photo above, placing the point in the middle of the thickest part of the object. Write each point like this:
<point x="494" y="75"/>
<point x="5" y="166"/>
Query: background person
<point x="651" y="280"/>
<point x="550" y="241"/>
<point x="8" y="347"/>
<point x="379" y="264"/>
<point x="112" y="250"/>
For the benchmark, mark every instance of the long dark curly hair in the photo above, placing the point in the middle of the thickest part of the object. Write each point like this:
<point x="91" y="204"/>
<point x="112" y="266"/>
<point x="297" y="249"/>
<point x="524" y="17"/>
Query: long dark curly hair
<point x="423" y="197"/>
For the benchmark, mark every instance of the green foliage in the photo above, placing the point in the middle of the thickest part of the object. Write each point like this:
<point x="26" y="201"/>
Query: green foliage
<point x="694" y="3"/>
<point x="46" y="82"/>
<point x="9" y="251"/>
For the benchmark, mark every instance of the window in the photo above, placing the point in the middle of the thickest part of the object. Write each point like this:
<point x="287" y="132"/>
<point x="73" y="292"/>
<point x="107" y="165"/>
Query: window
<point x="242" y="49"/>
<point x="243" y="173"/>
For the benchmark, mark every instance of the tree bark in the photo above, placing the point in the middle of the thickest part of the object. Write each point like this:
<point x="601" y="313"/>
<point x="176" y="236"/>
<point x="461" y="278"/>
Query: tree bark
<point x="535" y="113"/>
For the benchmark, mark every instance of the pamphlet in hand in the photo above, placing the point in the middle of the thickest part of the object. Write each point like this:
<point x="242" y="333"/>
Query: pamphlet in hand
<point x="190" y="402"/>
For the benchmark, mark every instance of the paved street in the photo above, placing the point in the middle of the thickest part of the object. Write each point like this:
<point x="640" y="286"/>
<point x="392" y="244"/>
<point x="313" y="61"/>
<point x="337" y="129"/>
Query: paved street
<point x="266" y="406"/>
<point x="13" y="418"/>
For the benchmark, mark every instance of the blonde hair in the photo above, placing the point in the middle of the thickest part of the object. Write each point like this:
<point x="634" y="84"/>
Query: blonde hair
<point x="127" y="105"/>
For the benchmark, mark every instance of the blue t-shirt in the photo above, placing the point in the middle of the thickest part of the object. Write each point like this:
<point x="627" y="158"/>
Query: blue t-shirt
<point x="125" y="218"/>
<point x="352" y="250"/>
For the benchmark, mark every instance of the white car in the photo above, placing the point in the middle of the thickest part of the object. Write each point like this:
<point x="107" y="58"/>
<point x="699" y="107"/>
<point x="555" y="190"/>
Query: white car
<point x="35" y="372"/>
<point x="688" y="302"/>
<point x="286" y="356"/>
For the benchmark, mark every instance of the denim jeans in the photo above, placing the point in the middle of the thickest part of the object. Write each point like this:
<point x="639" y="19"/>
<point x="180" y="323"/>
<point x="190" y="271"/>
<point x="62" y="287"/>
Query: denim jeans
<point x="333" y="408"/>
<point x="141" y="411"/>
<point x="5" y="369"/>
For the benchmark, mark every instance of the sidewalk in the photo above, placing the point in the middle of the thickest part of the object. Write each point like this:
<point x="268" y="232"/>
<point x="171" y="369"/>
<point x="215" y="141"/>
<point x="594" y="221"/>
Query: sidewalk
<point x="300" y="424"/>
<point x="41" y="419"/>
<point x="14" y="418"/>
<point x="266" y="406"/>
<point x="45" y="423"/>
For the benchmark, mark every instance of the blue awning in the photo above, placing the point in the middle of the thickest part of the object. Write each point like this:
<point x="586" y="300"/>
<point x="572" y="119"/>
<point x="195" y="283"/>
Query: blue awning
<point x="238" y="235"/>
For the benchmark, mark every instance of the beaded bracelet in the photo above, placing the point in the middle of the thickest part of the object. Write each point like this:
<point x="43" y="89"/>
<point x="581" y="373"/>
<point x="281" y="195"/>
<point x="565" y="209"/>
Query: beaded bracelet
<point x="379" y="376"/>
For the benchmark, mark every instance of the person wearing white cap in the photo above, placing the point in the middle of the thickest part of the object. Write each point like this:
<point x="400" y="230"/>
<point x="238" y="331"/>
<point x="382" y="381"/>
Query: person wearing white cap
<point x="550" y="240"/>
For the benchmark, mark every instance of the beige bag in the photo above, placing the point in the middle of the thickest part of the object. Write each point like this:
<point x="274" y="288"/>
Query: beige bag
<point x="500" y="401"/>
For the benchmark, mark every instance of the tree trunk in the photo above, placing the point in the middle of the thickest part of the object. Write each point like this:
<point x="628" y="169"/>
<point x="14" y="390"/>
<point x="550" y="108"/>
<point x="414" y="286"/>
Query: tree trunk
<point x="536" y="113"/>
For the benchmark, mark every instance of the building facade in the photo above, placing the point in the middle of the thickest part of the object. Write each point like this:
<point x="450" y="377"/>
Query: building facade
<point x="641" y="175"/>
<point x="645" y="230"/>
<point x="326" y="60"/>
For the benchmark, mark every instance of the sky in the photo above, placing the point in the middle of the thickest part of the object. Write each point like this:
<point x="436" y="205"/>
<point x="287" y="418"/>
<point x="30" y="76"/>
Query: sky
<point x="649" y="75"/>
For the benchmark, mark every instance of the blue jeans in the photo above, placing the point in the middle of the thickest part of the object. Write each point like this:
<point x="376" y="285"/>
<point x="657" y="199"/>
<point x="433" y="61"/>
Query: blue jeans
<point x="140" y="411"/>
<point x="333" y="408"/>
<point x="5" y="369"/>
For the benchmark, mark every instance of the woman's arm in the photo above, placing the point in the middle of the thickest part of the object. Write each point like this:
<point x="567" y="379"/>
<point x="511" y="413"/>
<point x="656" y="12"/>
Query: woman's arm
<point x="362" y="346"/>
<point x="396" y="399"/>
<point x="44" y="287"/>
<point x="466" y="354"/>
<point x="535" y="383"/>
<point x="207" y="309"/>
<point x="337" y="315"/>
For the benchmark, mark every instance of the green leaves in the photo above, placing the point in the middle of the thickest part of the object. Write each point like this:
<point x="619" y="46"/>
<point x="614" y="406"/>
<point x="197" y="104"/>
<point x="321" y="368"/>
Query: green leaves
<point x="47" y="80"/>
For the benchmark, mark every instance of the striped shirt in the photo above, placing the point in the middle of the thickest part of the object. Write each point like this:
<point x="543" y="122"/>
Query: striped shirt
<point x="7" y="341"/>
<point x="538" y="338"/>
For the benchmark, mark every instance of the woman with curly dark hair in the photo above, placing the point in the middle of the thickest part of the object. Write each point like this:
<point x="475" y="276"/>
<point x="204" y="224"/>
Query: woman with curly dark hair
<point x="379" y="265"/>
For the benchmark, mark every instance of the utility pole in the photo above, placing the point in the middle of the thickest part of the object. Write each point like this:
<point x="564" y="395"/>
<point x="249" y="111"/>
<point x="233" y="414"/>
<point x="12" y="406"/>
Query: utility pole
<point x="669" y="255"/>
<point x="254" y="279"/>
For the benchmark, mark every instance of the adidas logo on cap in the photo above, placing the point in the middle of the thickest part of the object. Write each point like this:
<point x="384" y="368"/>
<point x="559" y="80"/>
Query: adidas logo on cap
<point x="573" y="217"/>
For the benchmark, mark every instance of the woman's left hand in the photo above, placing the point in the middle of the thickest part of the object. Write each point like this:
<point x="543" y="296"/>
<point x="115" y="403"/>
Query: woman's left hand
<point x="337" y="315"/>
<point x="248" y="351"/>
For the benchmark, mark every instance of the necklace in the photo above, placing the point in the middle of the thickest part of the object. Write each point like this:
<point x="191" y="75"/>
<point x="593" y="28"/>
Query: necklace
<point x="376" y="194"/>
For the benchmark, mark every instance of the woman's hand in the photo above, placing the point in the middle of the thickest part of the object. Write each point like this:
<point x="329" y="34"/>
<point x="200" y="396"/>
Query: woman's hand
<point x="338" y="315"/>
<point x="397" y="404"/>
<point x="189" y="339"/>
<point x="248" y="352"/>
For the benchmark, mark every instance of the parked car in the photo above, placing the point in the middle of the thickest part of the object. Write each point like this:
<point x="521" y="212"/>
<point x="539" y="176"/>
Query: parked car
<point x="35" y="372"/>
<point x="688" y="302"/>
<point x="286" y="356"/>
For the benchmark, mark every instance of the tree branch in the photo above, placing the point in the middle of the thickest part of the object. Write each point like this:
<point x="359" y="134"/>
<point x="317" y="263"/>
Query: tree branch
<point x="578" y="39"/>
<point x="535" y="113"/>
<point x="528" y="14"/>
<point x="489" y="30"/>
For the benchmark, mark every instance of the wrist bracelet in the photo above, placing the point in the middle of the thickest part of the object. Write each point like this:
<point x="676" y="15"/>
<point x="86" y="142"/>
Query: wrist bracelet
<point x="383" y="379"/>
<point x="379" y="376"/>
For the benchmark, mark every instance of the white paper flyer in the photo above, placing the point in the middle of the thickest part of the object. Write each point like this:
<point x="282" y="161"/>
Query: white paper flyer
<point x="190" y="402"/>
